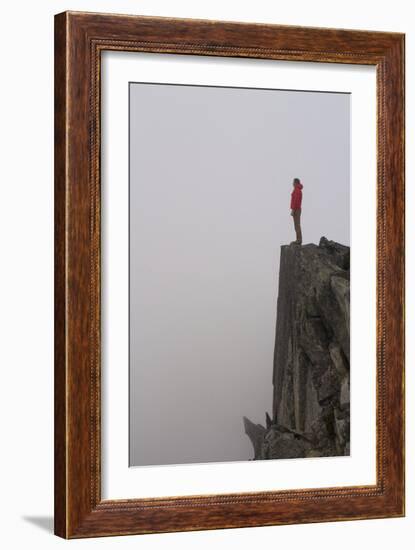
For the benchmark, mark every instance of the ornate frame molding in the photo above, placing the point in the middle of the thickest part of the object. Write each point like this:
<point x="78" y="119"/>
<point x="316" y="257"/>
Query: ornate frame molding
<point x="79" y="40"/>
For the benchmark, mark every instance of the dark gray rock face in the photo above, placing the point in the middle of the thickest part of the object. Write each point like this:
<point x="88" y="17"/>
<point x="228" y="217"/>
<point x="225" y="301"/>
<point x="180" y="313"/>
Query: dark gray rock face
<point x="311" y="378"/>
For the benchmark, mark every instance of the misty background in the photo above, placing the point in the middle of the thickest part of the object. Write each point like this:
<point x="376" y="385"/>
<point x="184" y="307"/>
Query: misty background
<point x="211" y="173"/>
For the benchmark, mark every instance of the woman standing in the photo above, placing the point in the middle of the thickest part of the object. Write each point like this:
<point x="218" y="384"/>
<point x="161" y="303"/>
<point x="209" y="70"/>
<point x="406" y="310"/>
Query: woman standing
<point x="296" y="198"/>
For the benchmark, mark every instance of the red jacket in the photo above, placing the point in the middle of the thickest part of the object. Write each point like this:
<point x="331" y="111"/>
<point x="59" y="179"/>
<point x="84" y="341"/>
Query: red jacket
<point x="296" y="197"/>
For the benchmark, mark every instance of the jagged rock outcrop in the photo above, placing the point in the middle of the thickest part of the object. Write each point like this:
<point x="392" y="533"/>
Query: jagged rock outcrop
<point x="311" y="398"/>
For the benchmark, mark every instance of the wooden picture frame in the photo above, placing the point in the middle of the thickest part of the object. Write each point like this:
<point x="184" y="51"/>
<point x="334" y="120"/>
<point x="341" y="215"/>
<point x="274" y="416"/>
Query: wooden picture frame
<point x="79" y="40"/>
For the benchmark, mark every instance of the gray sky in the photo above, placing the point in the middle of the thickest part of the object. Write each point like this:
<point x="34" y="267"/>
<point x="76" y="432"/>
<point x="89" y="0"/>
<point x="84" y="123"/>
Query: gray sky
<point x="211" y="173"/>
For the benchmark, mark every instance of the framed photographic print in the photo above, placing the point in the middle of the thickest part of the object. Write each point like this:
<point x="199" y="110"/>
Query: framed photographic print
<point x="229" y="274"/>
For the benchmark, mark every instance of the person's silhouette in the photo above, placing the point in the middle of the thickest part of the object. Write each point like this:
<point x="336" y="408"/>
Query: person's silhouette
<point x="296" y="199"/>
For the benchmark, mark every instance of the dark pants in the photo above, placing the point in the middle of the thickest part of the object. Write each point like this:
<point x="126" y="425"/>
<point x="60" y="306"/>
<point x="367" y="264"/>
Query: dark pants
<point x="297" y="224"/>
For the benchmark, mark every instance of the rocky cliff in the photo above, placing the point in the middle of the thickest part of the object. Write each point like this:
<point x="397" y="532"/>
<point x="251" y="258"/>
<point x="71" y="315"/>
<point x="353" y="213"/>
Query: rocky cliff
<point x="311" y="403"/>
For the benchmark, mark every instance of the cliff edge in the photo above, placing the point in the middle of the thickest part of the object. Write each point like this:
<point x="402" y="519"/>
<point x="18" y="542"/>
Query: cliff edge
<point x="311" y="376"/>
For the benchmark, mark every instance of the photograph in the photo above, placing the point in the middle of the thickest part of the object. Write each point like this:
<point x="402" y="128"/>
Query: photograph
<point x="239" y="274"/>
<point x="207" y="275"/>
<point x="229" y="216"/>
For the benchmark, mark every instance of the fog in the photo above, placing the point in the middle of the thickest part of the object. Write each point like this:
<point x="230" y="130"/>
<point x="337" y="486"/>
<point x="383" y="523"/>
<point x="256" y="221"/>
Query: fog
<point x="211" y="173"/>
